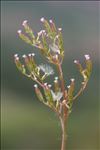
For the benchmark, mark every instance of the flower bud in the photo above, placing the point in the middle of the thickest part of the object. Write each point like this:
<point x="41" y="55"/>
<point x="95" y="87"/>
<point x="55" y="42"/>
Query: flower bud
<point x="59" y="29"/>
<point x="16" y="55"/>
<point x="38" y="93"/>
<point x="87" y="57"/>
<point x="19" y="31"/>
<point x="24" y="22"/>
<point x="35" y="85"/>
<point x="42" y="19"/>
<point x="72" y="80"/>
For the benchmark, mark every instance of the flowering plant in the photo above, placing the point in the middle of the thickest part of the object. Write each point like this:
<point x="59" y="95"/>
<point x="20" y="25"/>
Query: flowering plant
<point x="50" y="43"/>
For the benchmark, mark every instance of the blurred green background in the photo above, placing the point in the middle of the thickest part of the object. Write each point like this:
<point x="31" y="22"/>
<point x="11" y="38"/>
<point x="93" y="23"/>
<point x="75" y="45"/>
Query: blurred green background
<point x="26" y="124"/>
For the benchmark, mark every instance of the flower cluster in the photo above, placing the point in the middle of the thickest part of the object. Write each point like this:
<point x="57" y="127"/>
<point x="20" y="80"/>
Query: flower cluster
<point x="50" y="43"/>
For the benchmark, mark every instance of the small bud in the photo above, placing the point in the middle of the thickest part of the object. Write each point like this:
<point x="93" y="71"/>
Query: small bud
<point x="56" y="78"/>
<point x="87" y="57"/>
<point x="45" y="84"/>
<point x="42" y="19"/>
<point x="76" y="61"/>
<point x="72" y="80"/>
<point x="59" y="29"/>
<point x="19" y="31"/>
<point x="29" y="55"/>
<point x="16" y="58"/>
<point x="55" y="81"/>
<point x="43" y="31"/>
<point x="33" y="54"/>
<point x="39" y="33"/>
<point x="16" y="55"/>
<point x="50" y="21"/>
<point x="24" y="56"/>
<point x="35" y="85"/>
<point x="57" y="36"/>
<point x="49" y="85"/>
<point x="68" y="86"/>
<point x="24" y="22"/>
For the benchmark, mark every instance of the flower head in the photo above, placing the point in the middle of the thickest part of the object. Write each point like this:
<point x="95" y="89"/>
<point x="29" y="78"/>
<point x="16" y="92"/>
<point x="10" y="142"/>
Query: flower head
<point x="24" y="56"/>
<point x="76" y="61"/>
<point x="42" y="19"/>
<point x="56" y="78"/>
<point x="16" y="55"/>
<point x="50" y="21"/>
<point x="68" y="86"/>
<point x="35" y="85"/>
<point x="24" y="22"/>
<point x="72" y="80"/>
<point x="19" y="31"/>
<point x="87" y="57"/>
<point x="59" y="29"/>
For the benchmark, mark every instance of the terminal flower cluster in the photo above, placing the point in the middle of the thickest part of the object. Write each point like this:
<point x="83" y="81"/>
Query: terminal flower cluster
<point x="57" y="96"/>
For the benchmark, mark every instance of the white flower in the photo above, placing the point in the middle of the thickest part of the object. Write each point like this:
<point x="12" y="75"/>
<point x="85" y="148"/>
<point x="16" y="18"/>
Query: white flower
<point x="16" y="55"/>
<point x="42" y="19"/>
<point x="72" y="80"/>
<point x="16" y="58"/>
<point x="76" y="61"/>
<point x="68" y="86"/>
<point x="46" y="69"/>
<point x="19" y="31"/>
<point x="56" y="78"/>
<point x="39" y="33"/>
<point x="24" y="56"/>
<point x="29" y="55"/>
<point x="54" y="48"/>
<point x="87" y="57"/>
<point x="57" y="96"/>
<point x="60" y="29"/>
<point x="35" y="85"/>
<point x="33" y="54"/>
<point x="50" y="21"/>
<point x="24" y="22"/>
<point x="49" y="85"/>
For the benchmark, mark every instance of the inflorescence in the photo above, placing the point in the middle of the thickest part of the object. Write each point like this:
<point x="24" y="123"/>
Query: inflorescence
<point x="50" y="43"/>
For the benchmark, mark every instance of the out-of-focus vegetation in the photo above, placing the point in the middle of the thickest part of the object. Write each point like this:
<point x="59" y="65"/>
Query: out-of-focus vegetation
<point x="26" y="124"/>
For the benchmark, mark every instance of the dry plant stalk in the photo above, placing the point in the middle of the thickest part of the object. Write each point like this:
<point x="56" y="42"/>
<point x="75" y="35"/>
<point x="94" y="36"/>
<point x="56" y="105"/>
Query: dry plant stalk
<point x="59" y="98"/>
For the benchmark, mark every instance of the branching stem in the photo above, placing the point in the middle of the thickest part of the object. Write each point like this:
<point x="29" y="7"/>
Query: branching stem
<point x="80" y="91"/>
<point x="63" y="118"/>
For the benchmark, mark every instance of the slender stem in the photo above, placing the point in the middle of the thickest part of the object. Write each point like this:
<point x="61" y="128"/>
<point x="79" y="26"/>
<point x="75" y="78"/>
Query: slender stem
<point x="37" y="81"/>
<point x="80" y="91"/>
<point x="64" y="116"/>
<point x="64" y="135"/>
